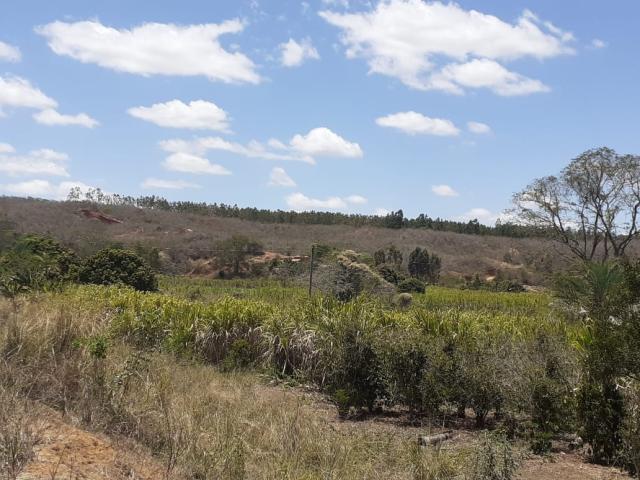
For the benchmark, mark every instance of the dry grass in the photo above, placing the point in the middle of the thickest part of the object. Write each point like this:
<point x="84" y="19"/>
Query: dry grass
<point x="528" y="260"/>
<point x="201" y="423"/>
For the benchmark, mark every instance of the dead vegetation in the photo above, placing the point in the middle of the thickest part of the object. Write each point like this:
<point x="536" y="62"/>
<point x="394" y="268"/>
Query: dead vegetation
<point x="184" y="238"/>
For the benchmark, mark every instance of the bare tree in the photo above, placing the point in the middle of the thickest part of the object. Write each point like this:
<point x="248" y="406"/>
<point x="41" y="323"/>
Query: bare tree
<point x="592" y="206"/>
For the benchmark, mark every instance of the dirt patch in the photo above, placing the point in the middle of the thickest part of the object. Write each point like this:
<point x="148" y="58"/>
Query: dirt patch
<point x="66" y="451"/>
<point x="567" y="467"/>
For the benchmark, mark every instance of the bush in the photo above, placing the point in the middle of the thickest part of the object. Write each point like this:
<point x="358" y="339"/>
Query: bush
<point x="35" y="262"/>
<point x="114" y="266"/>
<point x="403" y="300"/>
<point x="412" y="372"/>
<point x="494" y="459"/>
<point x="355" y="369"/>
<point x="411" y="285"/>
<point x="239" y="357"/>
<point x="390" y="274"/>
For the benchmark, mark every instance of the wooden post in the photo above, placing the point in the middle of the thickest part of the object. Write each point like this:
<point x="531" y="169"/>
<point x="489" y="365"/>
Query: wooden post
<point x="311" y="270"/>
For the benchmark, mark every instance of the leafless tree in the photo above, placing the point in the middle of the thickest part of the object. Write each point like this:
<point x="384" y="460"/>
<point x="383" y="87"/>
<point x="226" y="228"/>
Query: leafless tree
<point x="592" y="206"/>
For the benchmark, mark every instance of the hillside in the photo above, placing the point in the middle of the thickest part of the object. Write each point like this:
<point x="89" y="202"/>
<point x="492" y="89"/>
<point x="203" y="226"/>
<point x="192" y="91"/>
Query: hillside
<point x="183" y="237"/>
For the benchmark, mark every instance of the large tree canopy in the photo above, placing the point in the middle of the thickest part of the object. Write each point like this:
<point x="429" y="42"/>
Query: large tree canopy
<point x="592" y="206"/>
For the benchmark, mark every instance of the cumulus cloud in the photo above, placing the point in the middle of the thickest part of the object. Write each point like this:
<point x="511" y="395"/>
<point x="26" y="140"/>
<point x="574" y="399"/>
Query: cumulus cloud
<point x="381" y="212"/>
<point x="51" y="117"/>
<point x="356" y="199"/>
<point x="294" y="53"/>
<point x="18" y="92"/>
<point x="479" y="128"/>
<point x="43" y="189"/>
<point x="597" y="43"/>
<point x="299" y="201"/>
<point x="318" y="142"/>
<point x="433" y="45"/>
<point x="187" y="163"/>
<point x="414" y="123"/>
<point x="151" y="183"/>
<point x="154" y="49"/>
<point x="9" y="53"/>
<point x="196" y="115"/>
<point x="202" y="145"/>
<point x="481" y="214"/>
<point x="279" y="178"/>
<point x="322" y="142"/>
<point x="485" y="73"/>
<point x="37" y="162"/>
<point x="444" y="191"/>
<point x="6" y="148"/>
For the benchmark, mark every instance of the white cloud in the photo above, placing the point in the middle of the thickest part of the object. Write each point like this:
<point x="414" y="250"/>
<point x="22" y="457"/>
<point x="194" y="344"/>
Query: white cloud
<point x="279" y="178"/>
<point x="597" y="43"/>
<point x="414" y="123"/>
<point x="444" y="191"/>
<point x="167" y="184"/>
<point x="381" y="212"/>
<point x="299" y="201"/>
<point x="51" y="117"/>
<point x="485" y="73"/>
<point x="197" y="115"/>
<point x="322" y="142"/>
<point x="18" y="92"/>
<point x="294" y="53"/>
<point x="6" y="148"/>
<point x="318" y="142"/>
<point x="43" y="189"/>
<point x="356" y="200"/>
<point x="185" y="162"/>
<point x="483" y="215"/>
<point x="9" y="53"/>
<point x="411" y="39"/>
<point x="340" y="3"/>
<point x="154" y="49"/>
<point x="36" y="162"/>
<point x="479" y="128"/>
<point x="200" y="146"/>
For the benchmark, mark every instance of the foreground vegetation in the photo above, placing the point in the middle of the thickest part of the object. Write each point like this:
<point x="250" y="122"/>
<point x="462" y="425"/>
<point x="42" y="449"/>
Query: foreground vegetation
<point x="139" y="364"/>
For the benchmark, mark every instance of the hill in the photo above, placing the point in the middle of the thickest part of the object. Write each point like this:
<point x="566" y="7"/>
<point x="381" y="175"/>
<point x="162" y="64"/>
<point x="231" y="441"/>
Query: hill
<point x="183" y="237"/>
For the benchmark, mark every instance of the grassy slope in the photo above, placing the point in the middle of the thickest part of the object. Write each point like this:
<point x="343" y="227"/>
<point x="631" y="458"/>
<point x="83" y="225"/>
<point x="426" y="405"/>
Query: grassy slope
<point x="185" y="236"/>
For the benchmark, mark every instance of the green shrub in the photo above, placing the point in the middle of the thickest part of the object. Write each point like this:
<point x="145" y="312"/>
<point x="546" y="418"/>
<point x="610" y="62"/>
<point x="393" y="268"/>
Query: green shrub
<point x="239" y="357"/>
<point x="601" y="411"/>
<point x="35" y="262"/>
<point x="411" y="285"/>
<point x="355" y="367"/>
<point x="411" y="372"/>
<point x="390" y="274"/>
<point x="114" y="266"/>
<point x="494" y="459"/>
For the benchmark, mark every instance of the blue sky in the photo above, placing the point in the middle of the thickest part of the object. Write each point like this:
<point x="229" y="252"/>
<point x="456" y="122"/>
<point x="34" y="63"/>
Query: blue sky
<point x="355" y="106"/>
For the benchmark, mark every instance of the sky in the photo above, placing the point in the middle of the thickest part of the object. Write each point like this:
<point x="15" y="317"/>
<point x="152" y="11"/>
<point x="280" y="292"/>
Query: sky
<point x="343" y="105"/>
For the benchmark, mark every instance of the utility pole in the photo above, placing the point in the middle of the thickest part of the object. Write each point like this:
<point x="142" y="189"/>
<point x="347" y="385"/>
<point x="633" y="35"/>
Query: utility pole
<point x="311" y="269"/>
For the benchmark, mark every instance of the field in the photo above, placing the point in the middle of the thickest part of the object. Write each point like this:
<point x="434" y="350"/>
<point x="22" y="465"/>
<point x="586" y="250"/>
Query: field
<point x="253" y="379"/>
<point x="184" y="237"/>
